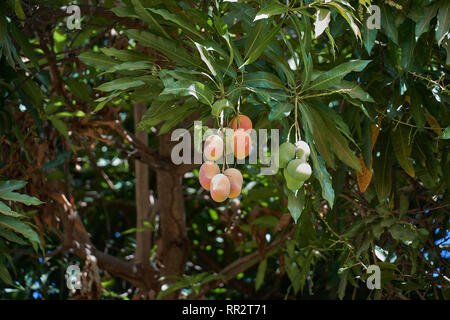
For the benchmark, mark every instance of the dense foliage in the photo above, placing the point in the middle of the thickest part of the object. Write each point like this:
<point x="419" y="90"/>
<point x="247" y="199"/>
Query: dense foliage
<point x="75" y="107"/>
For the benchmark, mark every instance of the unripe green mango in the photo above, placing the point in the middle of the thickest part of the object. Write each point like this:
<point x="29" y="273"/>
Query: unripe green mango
<point x="286" y="153"/>
<point x="299" y="170"/>
<point x="302" y="150"/>
<point x="292" y="183"/>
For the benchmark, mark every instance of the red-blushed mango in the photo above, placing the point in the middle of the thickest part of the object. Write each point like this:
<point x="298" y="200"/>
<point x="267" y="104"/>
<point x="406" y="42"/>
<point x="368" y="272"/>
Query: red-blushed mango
<point x="213" y="147"/>
<point x="241" y="144"/>
<point x="242" y="122"/>
<point x="302" y="150"/>
<point x="207" y="171"/>
<point x="299" y="170"/>
<point x="220" y="187"/>
<point x="236" y="180"/>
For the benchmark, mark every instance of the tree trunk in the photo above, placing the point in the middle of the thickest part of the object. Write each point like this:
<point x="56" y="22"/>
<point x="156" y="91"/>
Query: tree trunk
<point x="172" y="242"/>
<point x="143" y="238"/>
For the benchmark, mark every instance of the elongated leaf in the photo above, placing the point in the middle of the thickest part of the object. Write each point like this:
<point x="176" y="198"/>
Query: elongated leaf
<point x="369" y="36"/>
<point x="335" y="141"/>
<point x="11" y="236"/>
<point x="169" y="48"/>
<point x="443" y="21"/>
<point x="261" y="79"/>
<point x="402" y="148"/>
<point x="7" y="210"/>
<point x="190" y="88"/>
<point x="177" y="20"/>
<point x="296" y="204"/>
<point x="353" y="90"/>
<point x="280" y="111"/>
<point x="423" y="23"/>
<point x="334" y="76"/>
<point x="11" y="185"/>
<point x="121" y="84"/>
<point x="97" y="60"/>
<point x="22" y="198"/>
<point x="219" y="105"/>
<point x="315" y="127"/>
<point x="19" y="227"/>
<point x="323" y="176"/>
<point x="258" y="44"/>
<point x="5" y="276"/>
<point x="274" y="8"/>
<point x="126" y="55"/>
<point x="382" y="166"/>
<point x="388" y="24"/>
<point x="148" y="18"/>
<point x="259" y="280"/>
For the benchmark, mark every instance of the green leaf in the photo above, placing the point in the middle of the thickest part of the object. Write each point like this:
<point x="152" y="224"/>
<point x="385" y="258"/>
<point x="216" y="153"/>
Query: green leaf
<point x="443" y="21"/>
<point x="131" y="66"/>
<point x="190" y="88"/>
<point x="24" y="43"/>
<point x="10" y="236"/>
<point x="274" y="8"/>
<point x="126" y="55"/>
<point x="261" y="79"/>
<point x="257" y="42"/>
<point x="7" y="210"/>
<point x="259" y="280"/>
<point x="382" y="166"/>
<point x="11" y="185"/>
<point x="19" y="227"/>
<point x="402" y="148"/>
<point x="177" y="20"/>
<point x="22" y="198"/>
<point x="60" y="126"/>
<point x="206" y="58"/>
<point x="266" y="222"/>
<point x="349" y="17"/>
<point x="353" y="90"/>
<point x="148" y="18"/>
<point x="418" y="109"/>
<point x="122" y="84"/>
<point x="19" y="10"/>
<point x="445" y="134"/>
<point x="423" y="22"/>
<point x="5" y="276"/>
<point x="388" y="24"/>
<point x="402" y="232"/>
<point x="407" y="43"/>
<point x="296" y="204"/>
<point x="219" y="105"/>
<point x="369" y="36"/>
<point x="79" y="88"/>
<point x="97" y="60"/>
<point x="324" y="178"/>
<point x="280" y="111"/>
<point x="336" y="142"/>
<point x="342" y="284"/>
<point x="169" y="48"/>
<point x="334" y="76"/>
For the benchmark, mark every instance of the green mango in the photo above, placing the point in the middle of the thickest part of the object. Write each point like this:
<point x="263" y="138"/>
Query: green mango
<point x="302" y="150"/>
<point x="286" y="153"/>
<point x="299" y="170"/>
<point x="292" y="183"/>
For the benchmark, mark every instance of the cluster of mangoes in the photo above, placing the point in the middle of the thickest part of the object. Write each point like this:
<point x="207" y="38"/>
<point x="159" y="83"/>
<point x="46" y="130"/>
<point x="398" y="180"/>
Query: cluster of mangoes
<point x="293" y="159"/>
<point x="227" y="184"/>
